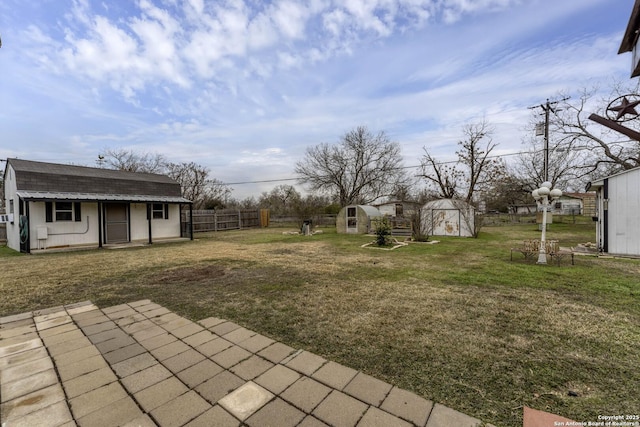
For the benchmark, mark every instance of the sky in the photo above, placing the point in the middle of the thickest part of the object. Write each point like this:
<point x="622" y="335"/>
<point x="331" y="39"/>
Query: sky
<point x="243" y="87"/>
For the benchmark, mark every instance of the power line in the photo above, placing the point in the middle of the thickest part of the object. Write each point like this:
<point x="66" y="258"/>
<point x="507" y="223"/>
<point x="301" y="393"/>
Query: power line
<point x="401" y="167"/>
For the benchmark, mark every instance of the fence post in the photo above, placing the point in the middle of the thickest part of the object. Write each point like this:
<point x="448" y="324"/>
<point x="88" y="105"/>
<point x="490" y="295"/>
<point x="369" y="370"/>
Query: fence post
<point x="215" y="221"/>
<point x="239" y="220"/>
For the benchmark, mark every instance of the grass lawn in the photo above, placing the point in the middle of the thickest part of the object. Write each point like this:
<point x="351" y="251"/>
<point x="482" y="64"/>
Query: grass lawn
<point x="455" y="322"/>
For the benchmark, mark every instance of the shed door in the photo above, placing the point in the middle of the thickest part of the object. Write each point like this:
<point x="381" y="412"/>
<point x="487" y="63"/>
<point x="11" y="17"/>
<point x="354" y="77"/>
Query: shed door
<point x="352" y="220"/>
<point x="116" y="223"/>
<point x="446" y="222"/>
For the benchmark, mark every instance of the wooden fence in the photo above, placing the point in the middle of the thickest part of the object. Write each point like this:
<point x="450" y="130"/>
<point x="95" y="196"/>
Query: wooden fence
<point x="223" y="220"/>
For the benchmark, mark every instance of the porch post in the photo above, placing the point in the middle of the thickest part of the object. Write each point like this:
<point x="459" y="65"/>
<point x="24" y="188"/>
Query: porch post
<point x="149" y="221"/>
<point x="26" y="212"/>
<point x="191" y="220"/>
<point x="100" y="207"/>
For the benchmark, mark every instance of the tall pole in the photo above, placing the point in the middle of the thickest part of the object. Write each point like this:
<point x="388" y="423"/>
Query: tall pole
<point x="547" y="107"/>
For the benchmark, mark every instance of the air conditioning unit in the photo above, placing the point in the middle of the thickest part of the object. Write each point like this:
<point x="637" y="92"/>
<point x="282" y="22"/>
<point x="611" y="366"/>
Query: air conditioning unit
<point x="6" y="218"/>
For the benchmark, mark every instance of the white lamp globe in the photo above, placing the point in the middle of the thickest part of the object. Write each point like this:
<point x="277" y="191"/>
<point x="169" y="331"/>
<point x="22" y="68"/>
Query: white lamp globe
<point x="546" y="184"/>
<point x="535" y="194"/>
<point x="543" y="191"/>
<point x="555" y="193"/>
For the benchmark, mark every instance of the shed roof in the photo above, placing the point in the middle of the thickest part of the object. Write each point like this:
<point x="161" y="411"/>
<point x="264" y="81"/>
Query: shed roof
<point x="46" y="181"/>
<point x="448" y="204"/>
<point x="600" y="182"/>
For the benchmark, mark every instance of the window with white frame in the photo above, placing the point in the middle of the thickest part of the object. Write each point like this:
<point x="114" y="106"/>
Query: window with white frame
<point x="160" y="211"/>
<point x="62" y="211"/>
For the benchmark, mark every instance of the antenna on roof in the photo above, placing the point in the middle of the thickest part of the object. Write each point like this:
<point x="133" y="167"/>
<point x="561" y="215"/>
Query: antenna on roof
<point x="100" y="161"/>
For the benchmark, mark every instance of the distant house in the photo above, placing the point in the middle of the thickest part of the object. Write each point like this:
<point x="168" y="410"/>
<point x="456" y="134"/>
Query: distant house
<point x="398" y="209"/>
<point x="618" y="213"/>
<point x="52" y="205"/>
<point x="357" y="219"/>
<point x="523" y="209"/>
<point x="567" y="204"/>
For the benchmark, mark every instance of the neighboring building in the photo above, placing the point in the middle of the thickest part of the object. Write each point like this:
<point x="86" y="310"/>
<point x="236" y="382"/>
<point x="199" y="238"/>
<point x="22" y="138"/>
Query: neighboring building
<point x="567" y="204"/>
<point x="618" y="213"/>
<point x="398" y="209"/>
<point x="53" y="205"/>
<point x="523" y="209"/>
<point x="357" y="219"/>
<point x="448" y="217"/>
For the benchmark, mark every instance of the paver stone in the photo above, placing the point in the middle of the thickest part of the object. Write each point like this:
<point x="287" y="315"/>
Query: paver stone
<point x="407" y="405"/>
<point x="276" y="413"/>
<point x="374" y="417"/>
<point x="246" y="400"/>
<point x="340" y="410"/>
<point x="180" y="410"/>
<point x="442" y="416"/>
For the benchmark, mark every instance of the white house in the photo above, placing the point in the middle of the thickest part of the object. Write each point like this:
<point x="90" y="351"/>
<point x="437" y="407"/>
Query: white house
<point x="618" y="213"/>
<point x="52" y="205"/>
<point x="397" y="209"/>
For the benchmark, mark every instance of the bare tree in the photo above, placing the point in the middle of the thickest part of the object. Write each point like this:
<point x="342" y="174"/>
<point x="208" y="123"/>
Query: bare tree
<point x="361" y="168"/>
<point x="508" y="190"/>
<point x="280" y="200"/>
<point x="475" y="169"/>
<point x="196" y="185"/>
<point x="602" y="150"/>
<point x="129" y="160"/>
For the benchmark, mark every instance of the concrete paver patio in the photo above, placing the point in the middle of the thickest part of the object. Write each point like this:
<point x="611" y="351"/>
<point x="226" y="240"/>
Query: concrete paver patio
<point x="139" y="364"/>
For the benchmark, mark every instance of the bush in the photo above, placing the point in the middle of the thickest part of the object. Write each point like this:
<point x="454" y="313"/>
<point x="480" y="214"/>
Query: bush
<point x="383" y="232"/>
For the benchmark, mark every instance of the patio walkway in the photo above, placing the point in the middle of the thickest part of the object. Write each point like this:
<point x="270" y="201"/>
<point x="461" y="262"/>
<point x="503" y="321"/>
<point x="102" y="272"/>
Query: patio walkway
<point x="139" y="364"/>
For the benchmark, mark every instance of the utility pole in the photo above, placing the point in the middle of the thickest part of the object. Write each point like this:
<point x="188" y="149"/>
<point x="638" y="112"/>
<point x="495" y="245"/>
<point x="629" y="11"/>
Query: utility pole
<point x="547" y="107"/>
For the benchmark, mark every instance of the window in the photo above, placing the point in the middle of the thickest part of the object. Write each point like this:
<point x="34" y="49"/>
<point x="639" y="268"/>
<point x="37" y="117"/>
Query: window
<point x="11" y="206"/>
<point x="160" y="211"/>
<point x="64" y="211"/>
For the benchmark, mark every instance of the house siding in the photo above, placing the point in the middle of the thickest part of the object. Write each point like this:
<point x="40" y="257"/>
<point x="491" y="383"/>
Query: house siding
<point x="624" y="214"/>
<point x="64" y="233"/>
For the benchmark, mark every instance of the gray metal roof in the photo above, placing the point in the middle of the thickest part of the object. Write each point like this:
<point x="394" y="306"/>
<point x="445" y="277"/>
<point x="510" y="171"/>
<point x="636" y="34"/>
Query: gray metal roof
<point x="40" y="179"/>
<point x="91" y="197"/>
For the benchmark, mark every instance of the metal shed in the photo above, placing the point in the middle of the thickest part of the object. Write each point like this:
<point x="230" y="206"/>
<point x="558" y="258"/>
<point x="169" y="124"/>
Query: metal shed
<point x="617" y="213"/>
<point x="448" y="217"/>
<point x="356" y="219"/>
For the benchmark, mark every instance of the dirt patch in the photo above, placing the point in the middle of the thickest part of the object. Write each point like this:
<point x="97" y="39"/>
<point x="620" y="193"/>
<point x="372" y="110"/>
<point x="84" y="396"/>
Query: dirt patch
<point x="189" y="274"/>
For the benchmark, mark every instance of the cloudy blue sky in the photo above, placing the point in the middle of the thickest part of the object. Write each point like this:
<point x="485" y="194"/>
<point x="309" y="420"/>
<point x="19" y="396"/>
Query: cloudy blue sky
<point x="244" y="86"/>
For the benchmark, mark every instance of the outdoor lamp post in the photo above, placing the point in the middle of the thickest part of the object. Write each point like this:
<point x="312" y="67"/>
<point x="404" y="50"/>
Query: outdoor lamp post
<point x="544" y="195"/>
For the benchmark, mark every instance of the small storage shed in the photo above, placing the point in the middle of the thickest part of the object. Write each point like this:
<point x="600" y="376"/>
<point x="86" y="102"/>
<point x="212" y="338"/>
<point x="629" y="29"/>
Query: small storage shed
<point x="356" y="219"/>
<point x="448" y="217"/>
<point x="52" y="205"/>
<point x="617" y="213"/>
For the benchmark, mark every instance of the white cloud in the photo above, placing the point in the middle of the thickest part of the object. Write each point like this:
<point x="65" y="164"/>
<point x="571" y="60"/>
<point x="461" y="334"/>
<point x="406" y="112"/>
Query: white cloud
<point x="243" y="87"/>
